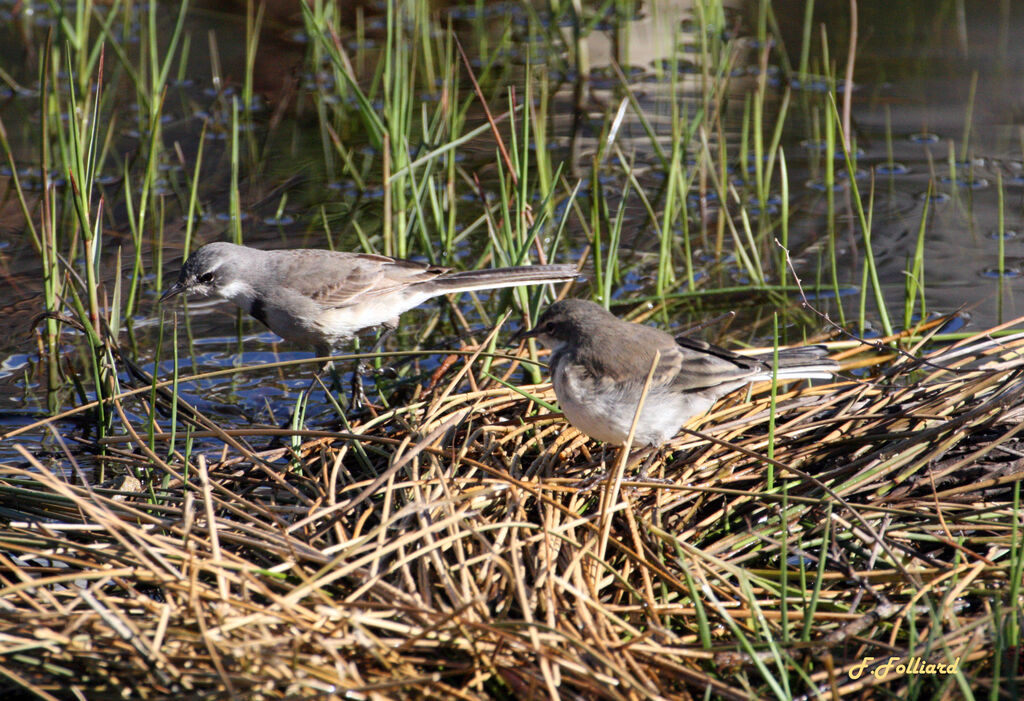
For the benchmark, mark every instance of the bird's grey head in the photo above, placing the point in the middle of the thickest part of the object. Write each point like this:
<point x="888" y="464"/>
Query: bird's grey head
<point x="569" y="321"/>
<point x="213" y="270"/>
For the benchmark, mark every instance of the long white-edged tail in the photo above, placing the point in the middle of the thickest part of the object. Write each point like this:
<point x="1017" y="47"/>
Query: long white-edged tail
<point x="802" y="363"/>
<point x="495" y="278"/>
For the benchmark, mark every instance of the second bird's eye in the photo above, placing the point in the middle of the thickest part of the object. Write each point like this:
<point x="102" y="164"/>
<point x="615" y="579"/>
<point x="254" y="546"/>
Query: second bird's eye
<point x="206" y="278"/>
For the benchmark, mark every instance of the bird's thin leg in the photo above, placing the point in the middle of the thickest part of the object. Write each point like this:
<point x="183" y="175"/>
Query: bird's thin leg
<point x="364" y="366"/>
<point x="358" y="393"/>
<point x="303" y="399"/>
<point x="648" y="454"/>
<point x="364" y="369"/>
<point x="652" y="455"/>
<point x="589" y="483"/>
<point x="337" y="384"/>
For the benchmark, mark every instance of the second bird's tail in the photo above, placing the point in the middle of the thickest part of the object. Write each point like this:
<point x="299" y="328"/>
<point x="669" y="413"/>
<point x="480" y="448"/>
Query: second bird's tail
<point x="804" y="362"/>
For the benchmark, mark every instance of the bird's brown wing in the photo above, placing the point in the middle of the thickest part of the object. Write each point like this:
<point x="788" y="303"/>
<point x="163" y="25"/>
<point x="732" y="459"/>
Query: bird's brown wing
<point x="626" y="366"/>
<point x="704" y="365"/>
<point x="343" y="279"/>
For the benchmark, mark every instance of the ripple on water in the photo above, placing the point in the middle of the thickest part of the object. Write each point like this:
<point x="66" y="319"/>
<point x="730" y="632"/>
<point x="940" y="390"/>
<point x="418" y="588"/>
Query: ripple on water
<point x="892" y="169"/>
<point x="14" y="364"/>
<point x="821" y="145"/>
<point x="279" y="220"/>
<point x="842" y="181"/>
<point x="1009" y="273"/>
<point x="935" y="197"/>
<point x="972" y="184"/>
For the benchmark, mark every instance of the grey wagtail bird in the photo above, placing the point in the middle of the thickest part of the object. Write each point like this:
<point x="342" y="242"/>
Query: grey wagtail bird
<point x="320" y="299"/>
<point x="599" y="365"/>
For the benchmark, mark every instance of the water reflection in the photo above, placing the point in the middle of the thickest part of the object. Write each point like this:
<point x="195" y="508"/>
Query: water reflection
<point x="936" y="130"/>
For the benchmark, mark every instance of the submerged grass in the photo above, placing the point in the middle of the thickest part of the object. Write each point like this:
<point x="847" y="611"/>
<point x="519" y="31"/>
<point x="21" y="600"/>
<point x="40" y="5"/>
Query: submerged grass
<point x="441" y="542"/>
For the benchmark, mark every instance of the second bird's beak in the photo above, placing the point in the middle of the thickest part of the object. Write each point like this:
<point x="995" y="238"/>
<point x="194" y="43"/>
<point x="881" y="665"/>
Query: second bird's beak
<point x="523" y="334"/>
<point x="172" y="291"/>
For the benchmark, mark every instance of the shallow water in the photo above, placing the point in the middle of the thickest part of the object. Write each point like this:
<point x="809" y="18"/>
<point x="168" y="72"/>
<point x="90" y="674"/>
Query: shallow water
<point x="915" y="81"/>
<point x="914" y="84"/>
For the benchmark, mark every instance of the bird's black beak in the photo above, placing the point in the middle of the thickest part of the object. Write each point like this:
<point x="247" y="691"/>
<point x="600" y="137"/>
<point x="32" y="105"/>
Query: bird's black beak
<point x="523" y="334"/>
<point x="172" y="291"/>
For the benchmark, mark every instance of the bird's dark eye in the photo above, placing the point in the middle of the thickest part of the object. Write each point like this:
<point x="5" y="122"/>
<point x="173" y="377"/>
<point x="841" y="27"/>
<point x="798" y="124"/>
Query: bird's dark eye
<point x="549" y="327"/>
<point x="206" y="278"/>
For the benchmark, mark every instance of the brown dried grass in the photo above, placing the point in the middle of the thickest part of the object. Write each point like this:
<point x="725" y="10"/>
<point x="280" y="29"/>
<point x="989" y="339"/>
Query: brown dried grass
<point x="445" y="549"/>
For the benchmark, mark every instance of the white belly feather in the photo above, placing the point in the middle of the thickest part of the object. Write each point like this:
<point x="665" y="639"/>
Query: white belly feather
<point x="605" y="410"/>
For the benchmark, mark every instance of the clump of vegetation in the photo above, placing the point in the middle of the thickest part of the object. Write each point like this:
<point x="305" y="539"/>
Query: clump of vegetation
<point x="458" y="538"/>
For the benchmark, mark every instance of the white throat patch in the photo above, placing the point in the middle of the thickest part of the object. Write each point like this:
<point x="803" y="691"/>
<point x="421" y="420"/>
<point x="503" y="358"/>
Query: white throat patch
<point x="238" y="291"/>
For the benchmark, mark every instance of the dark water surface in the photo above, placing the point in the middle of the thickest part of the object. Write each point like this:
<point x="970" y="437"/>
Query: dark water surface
<point x="916" y="72"/>
<point x="938" y="103"/>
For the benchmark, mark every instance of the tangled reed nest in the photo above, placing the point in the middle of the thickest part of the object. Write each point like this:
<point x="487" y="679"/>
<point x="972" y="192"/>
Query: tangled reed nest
<point x="446" y="549"/>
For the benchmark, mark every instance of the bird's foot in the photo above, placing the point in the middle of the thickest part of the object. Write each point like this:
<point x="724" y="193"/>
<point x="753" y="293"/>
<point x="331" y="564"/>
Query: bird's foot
<point x="362" y="371"/>
<point x="642" y="476"/>
<point x="359" y="399"/>
<point x="367" y="370"/>
<point x="589" y="484"/>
